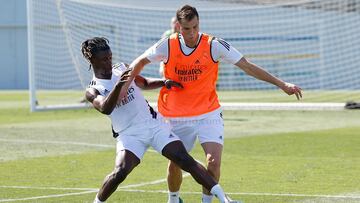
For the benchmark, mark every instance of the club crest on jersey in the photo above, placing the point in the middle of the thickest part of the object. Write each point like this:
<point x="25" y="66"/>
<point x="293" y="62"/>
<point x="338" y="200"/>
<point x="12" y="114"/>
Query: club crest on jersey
<point x="205" y="56"/>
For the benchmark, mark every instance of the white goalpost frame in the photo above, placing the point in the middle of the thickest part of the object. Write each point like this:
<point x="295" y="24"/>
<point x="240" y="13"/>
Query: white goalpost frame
<point x="32" y="82"/>
<point x="34" y="104"/>
<point x="32" y="93"/>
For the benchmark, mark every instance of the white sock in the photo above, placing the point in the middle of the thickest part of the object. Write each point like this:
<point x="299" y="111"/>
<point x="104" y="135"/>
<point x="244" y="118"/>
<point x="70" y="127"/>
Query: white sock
<point x="173" y="197"/>
<point x="219" y="193"/>
<point x="97" y="200"/>
<point x="206" y="198"/>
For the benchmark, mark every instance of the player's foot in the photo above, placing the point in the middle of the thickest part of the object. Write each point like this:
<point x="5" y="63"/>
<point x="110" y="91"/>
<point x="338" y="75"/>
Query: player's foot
<point x="229" y="200"/>
<point x="180" y="200"/>
<point x="234" y="201"/>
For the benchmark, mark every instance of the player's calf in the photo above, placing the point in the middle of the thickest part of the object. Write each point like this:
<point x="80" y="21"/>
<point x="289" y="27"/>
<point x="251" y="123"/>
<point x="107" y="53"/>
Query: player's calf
<point x="113" y="180"/>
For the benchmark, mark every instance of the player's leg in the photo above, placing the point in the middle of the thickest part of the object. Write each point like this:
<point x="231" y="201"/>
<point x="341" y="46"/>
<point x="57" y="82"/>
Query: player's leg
<point x="170" y="146"/>
<point x="174" y="180"/>
<point x="184" y="130"/>
<point x="129" y="151"/>
<point x="124" y="164"/>
<point x="176" y="152"/>
<point x="211" y="136"/>
<point x="213" y="153"/>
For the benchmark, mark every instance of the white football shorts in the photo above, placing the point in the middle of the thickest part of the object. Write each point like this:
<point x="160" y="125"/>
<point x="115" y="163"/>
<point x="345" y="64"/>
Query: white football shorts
<point x="138" y="138"/>
<point x="208" y="127"/>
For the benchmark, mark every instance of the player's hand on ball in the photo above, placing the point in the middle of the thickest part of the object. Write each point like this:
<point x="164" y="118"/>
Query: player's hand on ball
<point x="170" y="83"/>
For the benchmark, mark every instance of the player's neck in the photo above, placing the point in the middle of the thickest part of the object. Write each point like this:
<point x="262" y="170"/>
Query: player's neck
<point x="191" y="43"/>
<point x="103" y="74"/>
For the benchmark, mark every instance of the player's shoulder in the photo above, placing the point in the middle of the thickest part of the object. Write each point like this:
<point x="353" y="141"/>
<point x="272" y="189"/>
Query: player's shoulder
<point x="220" y="42"/>
<point x="92" y="89"/>
<point x="211" y="39"/>
<point x="218" y="39"/>
<point x="95" y="87"/>
<point x="162" y="41"/>
<point x="93" y="84"/>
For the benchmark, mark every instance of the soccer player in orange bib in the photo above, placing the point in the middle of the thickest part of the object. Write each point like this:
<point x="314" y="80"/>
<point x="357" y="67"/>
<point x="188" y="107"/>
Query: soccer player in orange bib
<point x="192" y="59"/>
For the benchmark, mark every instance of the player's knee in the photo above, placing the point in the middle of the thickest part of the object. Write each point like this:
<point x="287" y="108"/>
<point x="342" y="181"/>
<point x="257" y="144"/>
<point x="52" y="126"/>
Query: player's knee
<point x="120" y="173"/>
<point x="184" y="160"/>
<point x="213" y="164"/>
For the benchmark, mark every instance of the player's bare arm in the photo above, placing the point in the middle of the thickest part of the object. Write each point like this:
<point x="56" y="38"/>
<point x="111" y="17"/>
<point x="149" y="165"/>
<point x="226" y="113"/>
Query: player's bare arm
<point x="136" y="66"/>
<point x="154" y="83"/>
<point x="261" y="74"/>
<point x="147" y="83"/>
<point x="106" y="104"/>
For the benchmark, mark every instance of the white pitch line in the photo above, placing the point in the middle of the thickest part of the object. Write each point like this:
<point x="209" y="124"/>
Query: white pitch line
<point x="63" y="143"/>
<point x="125" y="189"/>
<point x="87" y="189"/>
<point x="46" y="196"/>
<point x="251" y="194"/>
<point x="48" y="188"/>
<point x="57" y="142"/>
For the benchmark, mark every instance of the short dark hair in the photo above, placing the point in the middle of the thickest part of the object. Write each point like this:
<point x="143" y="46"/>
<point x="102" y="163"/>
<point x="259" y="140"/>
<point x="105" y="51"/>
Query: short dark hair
<point x="91" y="46"/>
<point x="186" y="12"/>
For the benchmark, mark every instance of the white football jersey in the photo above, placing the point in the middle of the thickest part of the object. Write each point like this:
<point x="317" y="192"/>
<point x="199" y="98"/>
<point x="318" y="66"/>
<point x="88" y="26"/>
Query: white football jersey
<point x="220" y="50"/>
<point x="132" y="110"/>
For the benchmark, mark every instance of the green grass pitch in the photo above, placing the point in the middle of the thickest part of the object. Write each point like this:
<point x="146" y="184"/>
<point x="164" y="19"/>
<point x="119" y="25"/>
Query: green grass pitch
<point x="269" y="156"/>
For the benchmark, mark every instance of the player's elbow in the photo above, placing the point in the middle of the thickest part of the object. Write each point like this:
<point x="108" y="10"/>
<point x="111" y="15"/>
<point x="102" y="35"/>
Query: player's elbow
<point x="245" y="65"/>
<point x="106" y="112"/>
<point x="140" y="62"/>
<point x="104" y="109"/>
<point x="141" y="82"/>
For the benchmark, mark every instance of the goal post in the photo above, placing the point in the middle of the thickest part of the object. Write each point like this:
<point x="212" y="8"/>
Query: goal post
<point x="311" y="43"/>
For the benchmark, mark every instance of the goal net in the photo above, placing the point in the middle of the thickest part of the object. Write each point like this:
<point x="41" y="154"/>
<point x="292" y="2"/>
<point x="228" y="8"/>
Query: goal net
<point x="314" y="44"/>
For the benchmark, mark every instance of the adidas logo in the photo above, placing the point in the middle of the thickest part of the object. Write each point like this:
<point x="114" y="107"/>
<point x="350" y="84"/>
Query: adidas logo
<point x="93" y="82"/>
<point x="220" y="137"/>
<point x="197" y="61"/>
<point x="106" y="91"/>
<point x="171" y="136"/>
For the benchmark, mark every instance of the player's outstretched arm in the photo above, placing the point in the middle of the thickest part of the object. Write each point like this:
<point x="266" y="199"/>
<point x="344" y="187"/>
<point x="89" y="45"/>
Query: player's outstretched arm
<point x="153" y="83"/>
<point x="136" y="66"/>
<point x="106" y="104"/>
<point x="261" y="74"/>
